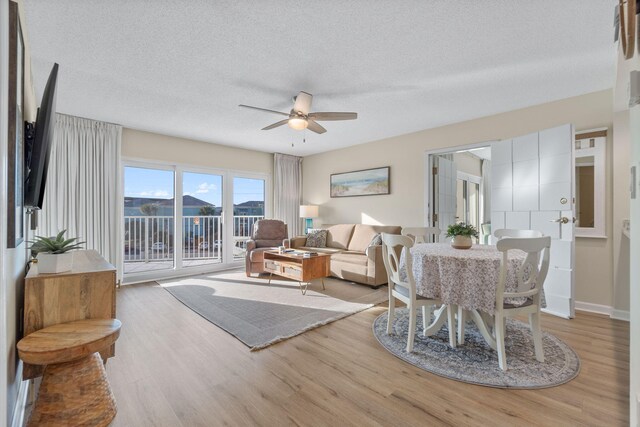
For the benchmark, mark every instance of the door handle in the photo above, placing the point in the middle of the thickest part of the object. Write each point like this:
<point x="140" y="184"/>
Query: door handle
<point x="563" y="220"/>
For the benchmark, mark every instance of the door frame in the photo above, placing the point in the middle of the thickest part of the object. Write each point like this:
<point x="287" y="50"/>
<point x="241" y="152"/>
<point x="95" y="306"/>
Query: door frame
<point x="428" y="175"/>
<point x="227" y="216"/>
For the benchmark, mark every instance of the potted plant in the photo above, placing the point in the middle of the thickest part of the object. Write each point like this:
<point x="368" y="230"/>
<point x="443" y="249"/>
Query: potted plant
<point x="53" y="253"/>
<point x="461" y="234"/>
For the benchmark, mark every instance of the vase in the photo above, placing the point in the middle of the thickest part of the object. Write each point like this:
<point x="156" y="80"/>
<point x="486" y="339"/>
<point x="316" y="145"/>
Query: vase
<point x="54" y="263"/>
<point x="461" y="242"/>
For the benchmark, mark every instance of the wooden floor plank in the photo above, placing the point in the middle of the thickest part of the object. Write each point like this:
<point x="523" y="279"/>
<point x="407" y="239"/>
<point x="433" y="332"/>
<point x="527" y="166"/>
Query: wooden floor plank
<point x="174" y="368"/>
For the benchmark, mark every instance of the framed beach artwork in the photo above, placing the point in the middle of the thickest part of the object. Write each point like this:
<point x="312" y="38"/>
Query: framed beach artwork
<point x="368" y="182"/>
<point x="15" y="181"/>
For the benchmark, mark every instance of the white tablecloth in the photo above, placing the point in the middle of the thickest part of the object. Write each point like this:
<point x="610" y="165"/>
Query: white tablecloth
<point x="465" y="277"/>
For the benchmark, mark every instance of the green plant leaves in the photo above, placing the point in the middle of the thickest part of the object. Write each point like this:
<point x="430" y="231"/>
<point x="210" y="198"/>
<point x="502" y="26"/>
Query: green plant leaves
<point x="462" y="229"/>
<point x="55" y="244"/>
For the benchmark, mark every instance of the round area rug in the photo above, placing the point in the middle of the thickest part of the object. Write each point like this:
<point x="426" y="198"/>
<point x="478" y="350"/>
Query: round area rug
<point x="475" y="362"/>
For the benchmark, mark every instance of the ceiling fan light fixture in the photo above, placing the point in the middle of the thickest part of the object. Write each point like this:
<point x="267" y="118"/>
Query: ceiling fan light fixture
<point x="298" y="123"/>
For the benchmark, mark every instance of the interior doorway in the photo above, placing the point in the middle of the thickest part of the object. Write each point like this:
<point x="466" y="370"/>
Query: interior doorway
<point x="460" y="190"/>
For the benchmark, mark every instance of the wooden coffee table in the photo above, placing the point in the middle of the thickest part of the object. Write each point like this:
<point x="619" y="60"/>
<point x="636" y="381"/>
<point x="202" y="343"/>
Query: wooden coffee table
<point x="295" y="266"/>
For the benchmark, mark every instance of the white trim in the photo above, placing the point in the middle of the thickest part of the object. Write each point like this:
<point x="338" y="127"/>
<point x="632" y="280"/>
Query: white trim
<point x="603" y="309"/>
<point x="21" y="404"/>
<point x="594" y="308"/>
<point x="599" y="153"/>
<point x="555" y="313"/>
<point x="621" y="315"/>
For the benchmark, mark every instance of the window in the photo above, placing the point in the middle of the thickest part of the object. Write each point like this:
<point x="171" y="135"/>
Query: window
<point x="185" y="219"/>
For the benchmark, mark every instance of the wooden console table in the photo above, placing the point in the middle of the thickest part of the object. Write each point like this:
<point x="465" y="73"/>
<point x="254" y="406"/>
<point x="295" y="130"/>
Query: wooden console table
<point x="88" y="291"/>
<point x="295" y="266"/>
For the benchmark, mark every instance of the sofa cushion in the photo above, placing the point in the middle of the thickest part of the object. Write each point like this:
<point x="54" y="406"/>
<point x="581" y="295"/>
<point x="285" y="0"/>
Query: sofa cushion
<point x="317" y="238"/>
<point x="320" y="250"/>
<point x="339" y="235"/>
<point x="363" y="234"/>
<point x="263" y="243"/>
<point x="348" y="257"/>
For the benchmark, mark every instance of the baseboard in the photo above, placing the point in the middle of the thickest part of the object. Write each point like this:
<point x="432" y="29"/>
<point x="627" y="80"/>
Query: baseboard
<point x="555" y="313"/>
<point x="594" y="308"/>
<point x="21" y="404"/>
<point x="621" y="315"/>
<point x="603" y="309"/>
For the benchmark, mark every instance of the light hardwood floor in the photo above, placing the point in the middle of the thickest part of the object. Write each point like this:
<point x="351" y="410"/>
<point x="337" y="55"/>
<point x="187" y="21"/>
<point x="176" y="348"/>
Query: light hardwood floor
<point x="173" y="368"/>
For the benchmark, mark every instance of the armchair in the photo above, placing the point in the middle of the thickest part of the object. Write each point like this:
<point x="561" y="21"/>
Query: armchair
<point x="267" y="234"/>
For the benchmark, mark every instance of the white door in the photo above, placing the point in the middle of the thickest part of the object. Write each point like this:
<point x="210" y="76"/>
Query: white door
<point x="445" y="179"/>
<point x="533" y="188"/>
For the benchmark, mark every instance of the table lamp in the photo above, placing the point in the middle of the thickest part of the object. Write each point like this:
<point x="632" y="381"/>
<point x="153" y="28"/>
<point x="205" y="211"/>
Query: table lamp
<point x="308" y="212"/>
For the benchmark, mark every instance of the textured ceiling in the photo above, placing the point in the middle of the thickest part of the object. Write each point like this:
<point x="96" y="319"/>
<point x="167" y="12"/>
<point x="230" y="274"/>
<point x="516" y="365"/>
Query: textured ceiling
<point x="182" y="67"/>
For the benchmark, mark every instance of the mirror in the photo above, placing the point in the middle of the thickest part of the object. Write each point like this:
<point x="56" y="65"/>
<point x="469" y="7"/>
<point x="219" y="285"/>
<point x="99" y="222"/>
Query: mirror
<point x="590" y="183"/>
<point x="585" y="202"/>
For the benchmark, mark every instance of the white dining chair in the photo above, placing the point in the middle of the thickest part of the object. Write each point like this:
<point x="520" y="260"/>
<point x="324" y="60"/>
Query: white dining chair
<point x="421" y="234"/>
<point x="510" y="232"/>
<point x="531" y="275"/>
<point x="405" y="290"/>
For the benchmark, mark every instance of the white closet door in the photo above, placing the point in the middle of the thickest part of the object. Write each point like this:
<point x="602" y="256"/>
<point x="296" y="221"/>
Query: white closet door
<point x="533" y="188"/>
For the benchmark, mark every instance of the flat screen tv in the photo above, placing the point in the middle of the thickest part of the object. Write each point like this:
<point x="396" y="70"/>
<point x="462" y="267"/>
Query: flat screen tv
<point x="37" y="155"/>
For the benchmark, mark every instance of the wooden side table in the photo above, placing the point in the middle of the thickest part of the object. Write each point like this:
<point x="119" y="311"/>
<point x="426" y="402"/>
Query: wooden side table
<point x="74" y="389"/>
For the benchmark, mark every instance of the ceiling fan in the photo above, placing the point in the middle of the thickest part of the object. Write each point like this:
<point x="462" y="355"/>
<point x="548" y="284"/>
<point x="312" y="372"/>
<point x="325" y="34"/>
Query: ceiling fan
<point x="301" y="116"/>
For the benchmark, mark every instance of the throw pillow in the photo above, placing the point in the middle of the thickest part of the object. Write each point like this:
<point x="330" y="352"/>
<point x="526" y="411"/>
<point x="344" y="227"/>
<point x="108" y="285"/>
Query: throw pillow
<point x="317" y="238"/>
<point x="376" y="241"/>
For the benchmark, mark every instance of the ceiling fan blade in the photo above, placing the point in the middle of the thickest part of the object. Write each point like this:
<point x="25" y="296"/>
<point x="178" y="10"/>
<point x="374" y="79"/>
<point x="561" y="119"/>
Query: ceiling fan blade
<point x="315" y="127"/>
<point x="275" y="125"/>
<point x="303" y="103"/>
<point x="264" y="109"/>
<point x="326" y="116"/>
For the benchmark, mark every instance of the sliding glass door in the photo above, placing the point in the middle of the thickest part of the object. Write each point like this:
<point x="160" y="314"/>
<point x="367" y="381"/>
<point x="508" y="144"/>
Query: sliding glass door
<point x="248" y="207"/>
<point x="202" y="209"/>
<point x="149" y="219"/>
<point x="186" y="219"/>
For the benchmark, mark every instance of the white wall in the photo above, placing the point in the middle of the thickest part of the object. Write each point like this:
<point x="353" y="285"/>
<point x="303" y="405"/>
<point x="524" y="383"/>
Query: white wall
<point x="405" y="154"/>
<point x="12" y="261"/>
<point x="155" y="147"/>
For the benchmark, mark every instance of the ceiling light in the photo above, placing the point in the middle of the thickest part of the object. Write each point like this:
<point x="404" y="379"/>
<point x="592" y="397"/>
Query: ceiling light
<point x="298" y="123"/>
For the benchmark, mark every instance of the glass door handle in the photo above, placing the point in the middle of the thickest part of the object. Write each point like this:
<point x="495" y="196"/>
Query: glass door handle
<point x="563" y="220"/>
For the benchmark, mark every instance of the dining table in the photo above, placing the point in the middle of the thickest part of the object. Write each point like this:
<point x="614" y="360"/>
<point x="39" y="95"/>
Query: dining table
<point x="466" y="279"/>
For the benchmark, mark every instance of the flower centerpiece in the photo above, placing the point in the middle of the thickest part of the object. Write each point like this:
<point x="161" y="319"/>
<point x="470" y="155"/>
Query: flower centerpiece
<point x="461" y="234"/>
<point x="53" y="253"/>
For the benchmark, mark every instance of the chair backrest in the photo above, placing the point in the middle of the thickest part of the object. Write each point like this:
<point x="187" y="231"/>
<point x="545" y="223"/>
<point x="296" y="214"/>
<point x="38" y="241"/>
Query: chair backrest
<point x="269" y="232"/>
<point x="392" y="248"/>
<point x="509" y="232"/>
<point x="421" y="234"/>
<point x="531" y="273"/>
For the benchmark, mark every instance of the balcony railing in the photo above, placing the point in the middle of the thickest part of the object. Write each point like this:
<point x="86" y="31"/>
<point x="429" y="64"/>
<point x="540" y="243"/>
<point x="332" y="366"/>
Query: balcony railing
<point x="151" y="238"/>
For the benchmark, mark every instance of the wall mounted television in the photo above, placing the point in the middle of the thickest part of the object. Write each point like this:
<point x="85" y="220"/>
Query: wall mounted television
<point x="37" y="153"/>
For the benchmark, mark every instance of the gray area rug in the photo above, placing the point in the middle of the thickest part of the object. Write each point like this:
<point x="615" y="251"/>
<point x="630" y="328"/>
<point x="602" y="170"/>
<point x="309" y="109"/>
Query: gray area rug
<point x="260" y="314"/>
<point x="475" y="362"/>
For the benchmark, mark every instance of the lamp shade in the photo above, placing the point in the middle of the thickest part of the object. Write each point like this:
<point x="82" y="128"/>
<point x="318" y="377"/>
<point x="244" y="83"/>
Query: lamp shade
<point x="308" y="211"/>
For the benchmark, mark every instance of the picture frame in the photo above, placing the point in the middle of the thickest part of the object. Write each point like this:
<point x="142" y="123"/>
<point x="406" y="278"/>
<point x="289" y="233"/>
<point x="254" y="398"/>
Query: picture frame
<point x="15" y="181"/>
<point x="365" y="182"/>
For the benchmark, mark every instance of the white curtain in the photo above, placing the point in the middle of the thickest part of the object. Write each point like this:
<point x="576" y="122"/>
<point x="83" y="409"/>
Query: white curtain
<point x="287" y="191"/>
<point x="485" y="192"/>
<point x="83" y="183"/>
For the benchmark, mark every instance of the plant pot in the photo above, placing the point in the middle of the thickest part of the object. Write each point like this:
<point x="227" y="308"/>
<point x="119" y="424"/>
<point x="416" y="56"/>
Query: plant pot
<point x="461" y="242"/>
<point x="54" y="263"/>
